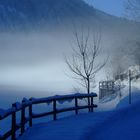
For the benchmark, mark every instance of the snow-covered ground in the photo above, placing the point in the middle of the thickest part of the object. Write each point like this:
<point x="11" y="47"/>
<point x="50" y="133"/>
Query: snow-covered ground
<point x="70" y="128"/>
<point x="114" y="119"/>
<point x="112" y="125"/>
<point x="122" y="125"/>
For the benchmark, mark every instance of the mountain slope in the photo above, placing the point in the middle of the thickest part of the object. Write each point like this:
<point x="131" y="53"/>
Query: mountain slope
<point x="41" y="11"/>
<point x="30" y="13"/>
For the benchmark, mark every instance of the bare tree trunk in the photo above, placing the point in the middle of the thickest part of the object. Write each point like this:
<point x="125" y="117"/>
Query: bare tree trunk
<point x="83" y="61"/>
<point x="88" y="90"/>
<point x="88" y="86"/>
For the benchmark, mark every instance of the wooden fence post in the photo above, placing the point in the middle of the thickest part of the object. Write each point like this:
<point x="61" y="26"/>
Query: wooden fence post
<point x="130" y="87"/>
<point x="13" y="123"/>
<point x="54" y="110"/>
<point x="92" y="104"/>
<point x="89" y="103"/>
<point x="30" y="115"/>
<point x="22" y="118"/>
<point x="76" y="105"/>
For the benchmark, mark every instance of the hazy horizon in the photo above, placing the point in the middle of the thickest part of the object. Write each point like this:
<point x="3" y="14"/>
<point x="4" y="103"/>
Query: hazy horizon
<point x="34" y="59"/>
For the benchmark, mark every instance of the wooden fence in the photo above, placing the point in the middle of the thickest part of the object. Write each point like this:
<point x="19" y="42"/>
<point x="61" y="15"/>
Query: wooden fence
<point x="27" y="106"/>
<point x="106" y="88"/>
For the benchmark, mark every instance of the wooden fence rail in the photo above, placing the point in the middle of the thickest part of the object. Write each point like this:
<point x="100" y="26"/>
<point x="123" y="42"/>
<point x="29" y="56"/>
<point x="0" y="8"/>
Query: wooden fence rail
<point x="27" y="105"/>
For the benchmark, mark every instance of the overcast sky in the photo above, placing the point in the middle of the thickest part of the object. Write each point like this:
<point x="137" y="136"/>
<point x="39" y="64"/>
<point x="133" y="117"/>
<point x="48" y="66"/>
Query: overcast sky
<point x="114" y="7"/>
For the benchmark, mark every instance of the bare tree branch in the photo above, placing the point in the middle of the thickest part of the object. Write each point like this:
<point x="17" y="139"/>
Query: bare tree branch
<point x="82" y="63"/>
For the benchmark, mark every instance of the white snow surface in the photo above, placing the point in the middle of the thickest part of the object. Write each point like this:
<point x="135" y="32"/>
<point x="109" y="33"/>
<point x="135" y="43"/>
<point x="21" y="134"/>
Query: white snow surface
<point x="70" y="128"/>
<point x="97" y="126"/>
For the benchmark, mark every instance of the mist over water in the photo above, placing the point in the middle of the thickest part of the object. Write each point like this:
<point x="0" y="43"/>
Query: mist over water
<point x="32" y="60"/>
<point x="33" y="64"/>
<point x="35" y="61"/>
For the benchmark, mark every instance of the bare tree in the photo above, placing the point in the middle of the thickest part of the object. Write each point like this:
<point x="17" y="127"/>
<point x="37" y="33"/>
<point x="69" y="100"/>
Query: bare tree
<point x="83" y="63"/>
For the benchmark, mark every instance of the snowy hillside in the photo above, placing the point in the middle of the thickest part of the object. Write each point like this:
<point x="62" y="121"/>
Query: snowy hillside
<point x="134" y="71"/>
<point x="45" y="8"/>
<point x="38" y="13"/>
<point x="120" y="99"/>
